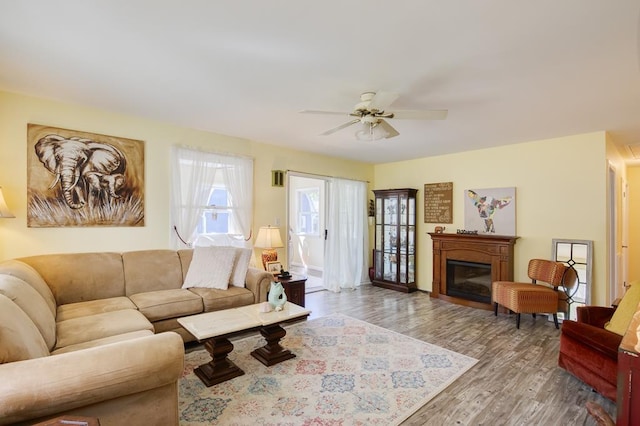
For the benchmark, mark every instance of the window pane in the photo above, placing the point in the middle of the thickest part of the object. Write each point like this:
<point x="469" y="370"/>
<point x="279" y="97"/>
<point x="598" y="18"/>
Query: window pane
<point x="216" y="220"/>
<point x="308" y="206"/>
<point x="218" y="197"/>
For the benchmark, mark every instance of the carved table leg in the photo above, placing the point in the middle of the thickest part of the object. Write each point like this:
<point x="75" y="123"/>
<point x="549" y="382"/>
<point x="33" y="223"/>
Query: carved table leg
<point x="220" y="368"/>
<point x="272" y="353"/>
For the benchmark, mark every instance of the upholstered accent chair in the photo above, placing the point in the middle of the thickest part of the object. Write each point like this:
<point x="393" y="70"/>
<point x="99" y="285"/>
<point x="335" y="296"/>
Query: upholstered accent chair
<point x="541" y="295"/>
<point x="589" y="345"/>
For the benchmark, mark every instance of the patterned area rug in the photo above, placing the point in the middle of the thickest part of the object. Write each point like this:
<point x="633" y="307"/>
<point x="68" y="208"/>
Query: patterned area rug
<point x="346" y="372"/>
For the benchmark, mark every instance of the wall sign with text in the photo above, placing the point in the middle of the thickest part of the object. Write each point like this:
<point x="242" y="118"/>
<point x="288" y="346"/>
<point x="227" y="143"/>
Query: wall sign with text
<point x="438" y="202"/>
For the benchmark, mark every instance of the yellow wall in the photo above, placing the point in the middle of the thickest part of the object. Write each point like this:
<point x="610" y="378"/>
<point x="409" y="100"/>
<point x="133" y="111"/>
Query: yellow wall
<point x="17" y="240"/>
<point x="633" y="176"/>
<point x="561" y="185"/>
<point x="560" y="191"/>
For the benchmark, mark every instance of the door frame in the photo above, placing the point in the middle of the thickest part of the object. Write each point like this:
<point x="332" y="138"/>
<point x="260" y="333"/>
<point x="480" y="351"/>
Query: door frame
<point x="624" y="248"/>
<point x="617" y="233"/>
<point x="318" y="252"/>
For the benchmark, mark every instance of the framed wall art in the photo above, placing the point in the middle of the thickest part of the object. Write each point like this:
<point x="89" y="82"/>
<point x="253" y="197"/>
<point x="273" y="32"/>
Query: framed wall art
<point x="490" y="211"/>
<point x="438" y="202"/>
<point x="76" y="178"/>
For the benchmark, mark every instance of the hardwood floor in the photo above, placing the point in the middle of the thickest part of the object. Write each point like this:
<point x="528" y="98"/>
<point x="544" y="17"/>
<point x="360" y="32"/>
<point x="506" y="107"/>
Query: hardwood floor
<point x="516" y="380"/>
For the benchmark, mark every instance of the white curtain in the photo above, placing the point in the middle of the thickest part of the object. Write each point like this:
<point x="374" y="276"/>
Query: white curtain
<point x="238" y="178"/>
<point x="348" y="236"/>
<point x="193" y="176"/>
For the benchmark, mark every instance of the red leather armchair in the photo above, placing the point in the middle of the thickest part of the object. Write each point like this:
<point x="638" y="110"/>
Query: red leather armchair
<point x="590" y="352"/>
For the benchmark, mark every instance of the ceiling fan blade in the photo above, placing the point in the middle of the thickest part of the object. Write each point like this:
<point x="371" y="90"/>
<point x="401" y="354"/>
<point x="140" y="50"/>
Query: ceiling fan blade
<point x="391" y="132"/>
<point x="382" y="100"/>
<point x="340" y="127"/>
<point x="311" y="111"/>
<point x="431" y="114"/>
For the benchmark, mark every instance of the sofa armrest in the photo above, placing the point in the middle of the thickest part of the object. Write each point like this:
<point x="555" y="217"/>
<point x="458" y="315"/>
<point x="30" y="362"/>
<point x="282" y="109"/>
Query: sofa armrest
<point x="596" y="316"/>
<point x="58" y="383"/>
<point x="595" y="338"/>
<point x="258" y="281"/>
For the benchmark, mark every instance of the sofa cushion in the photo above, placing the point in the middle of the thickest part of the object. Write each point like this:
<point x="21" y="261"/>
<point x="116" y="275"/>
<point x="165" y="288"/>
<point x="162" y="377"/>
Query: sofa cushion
<point x="173" y="325"/>
<point x="29" y="275"/>
<point x="626" y="308"/>
<point x="103" y="341"/>
<point x="78" y="277"/>
<point x="85" y="329"/>
<point x="215" y="300"/>
<point x="20" y="337"/>
<point x="210" y="267"/>
<point x="151" y="270"/>
<point x="597" y="316"/>
<point x="92" y="307"/>
<point x="186" y="256"/>
<point x="240" y="267"/>
<point x="30" y="301"/>
<point x="163" y="304"/>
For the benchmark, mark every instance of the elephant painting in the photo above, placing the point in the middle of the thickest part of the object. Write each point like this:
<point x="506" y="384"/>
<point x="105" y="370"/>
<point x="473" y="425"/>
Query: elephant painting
<point x="83" y="179"/>
<point x="102" y="186"/>
<point x="82" y="167"/>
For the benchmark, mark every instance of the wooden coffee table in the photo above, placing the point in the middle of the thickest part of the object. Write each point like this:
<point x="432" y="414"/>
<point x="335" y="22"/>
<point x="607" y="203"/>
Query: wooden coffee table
<point x="215" y="328"/>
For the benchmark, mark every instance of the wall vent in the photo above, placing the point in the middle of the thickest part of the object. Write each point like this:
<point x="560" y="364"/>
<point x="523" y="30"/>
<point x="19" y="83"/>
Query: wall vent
<point x="277" y="178"/>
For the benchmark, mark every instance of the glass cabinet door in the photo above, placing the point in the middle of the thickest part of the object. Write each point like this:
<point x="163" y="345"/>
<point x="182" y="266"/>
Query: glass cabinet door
<point x="395" y="239"/>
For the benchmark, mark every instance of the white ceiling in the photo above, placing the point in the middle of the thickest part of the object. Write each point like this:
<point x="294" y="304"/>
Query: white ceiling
<point x="508" y="71"/>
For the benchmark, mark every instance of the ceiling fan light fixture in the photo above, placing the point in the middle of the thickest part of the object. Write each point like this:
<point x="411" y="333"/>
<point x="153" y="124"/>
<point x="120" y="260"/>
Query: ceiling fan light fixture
<point x="371" y="115"/>
<point x="370" y="131"/>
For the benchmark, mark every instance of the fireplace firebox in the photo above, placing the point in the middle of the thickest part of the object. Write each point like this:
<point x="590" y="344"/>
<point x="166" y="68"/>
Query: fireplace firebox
<point x="465" y="265"/>
<point x="469" y="280"/>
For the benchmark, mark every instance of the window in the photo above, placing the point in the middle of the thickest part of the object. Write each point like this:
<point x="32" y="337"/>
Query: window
<point x="308" y="217"/>
<point x="212" y="194"/>
<point x="215" y="217"/>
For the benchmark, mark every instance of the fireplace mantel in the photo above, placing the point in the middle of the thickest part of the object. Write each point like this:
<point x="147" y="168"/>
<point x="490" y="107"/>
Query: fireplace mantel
<point x="495" y="250"/>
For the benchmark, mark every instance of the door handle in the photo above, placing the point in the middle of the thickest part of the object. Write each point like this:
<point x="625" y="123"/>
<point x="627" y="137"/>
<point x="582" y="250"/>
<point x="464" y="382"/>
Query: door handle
<point x="326" y="233"/>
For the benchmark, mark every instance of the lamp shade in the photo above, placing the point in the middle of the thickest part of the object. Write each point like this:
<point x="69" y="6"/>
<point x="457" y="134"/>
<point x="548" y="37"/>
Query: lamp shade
<point x="268" y="237"/>
<point x="4" y="210"/>
<point x="269" y="240"/>
<point x="370" y="132"/>
<point x="372" y="129"/>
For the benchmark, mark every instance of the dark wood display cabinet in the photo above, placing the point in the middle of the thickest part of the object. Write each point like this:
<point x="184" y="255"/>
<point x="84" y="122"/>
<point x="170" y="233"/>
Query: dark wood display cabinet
<point x="394" y="256"/>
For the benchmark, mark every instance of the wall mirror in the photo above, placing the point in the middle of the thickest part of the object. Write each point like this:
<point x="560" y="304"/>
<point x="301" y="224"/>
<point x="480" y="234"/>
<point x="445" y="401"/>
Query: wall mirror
<point x="577" y="254"/>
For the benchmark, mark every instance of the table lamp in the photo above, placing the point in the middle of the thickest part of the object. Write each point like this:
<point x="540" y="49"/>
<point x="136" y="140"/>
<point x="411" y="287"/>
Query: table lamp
<point x="4" y="210"/>
<point x="269" y="240"/>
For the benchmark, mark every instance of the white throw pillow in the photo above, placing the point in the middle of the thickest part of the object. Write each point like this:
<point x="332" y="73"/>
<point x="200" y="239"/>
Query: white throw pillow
<point x="210" y="267"/>
<point x="241" y="264"/>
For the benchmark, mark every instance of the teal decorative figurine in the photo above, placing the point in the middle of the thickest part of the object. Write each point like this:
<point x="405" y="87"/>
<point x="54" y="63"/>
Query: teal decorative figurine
<point x="277" y="296"/>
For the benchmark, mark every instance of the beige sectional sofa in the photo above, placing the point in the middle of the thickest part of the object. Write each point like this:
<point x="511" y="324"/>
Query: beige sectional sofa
<point x="96" y="334"/>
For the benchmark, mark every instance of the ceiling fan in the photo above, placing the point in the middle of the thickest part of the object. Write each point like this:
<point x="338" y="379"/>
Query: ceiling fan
<point x="371" y="114"/>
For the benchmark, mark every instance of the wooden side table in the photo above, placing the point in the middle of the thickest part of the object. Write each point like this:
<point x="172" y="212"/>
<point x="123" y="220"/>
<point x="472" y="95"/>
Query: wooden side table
<point x="294" y="288"/>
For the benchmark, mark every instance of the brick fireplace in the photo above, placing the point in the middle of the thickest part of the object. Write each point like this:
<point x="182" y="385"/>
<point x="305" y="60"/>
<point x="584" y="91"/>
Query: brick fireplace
<point x="465" y="265"/>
